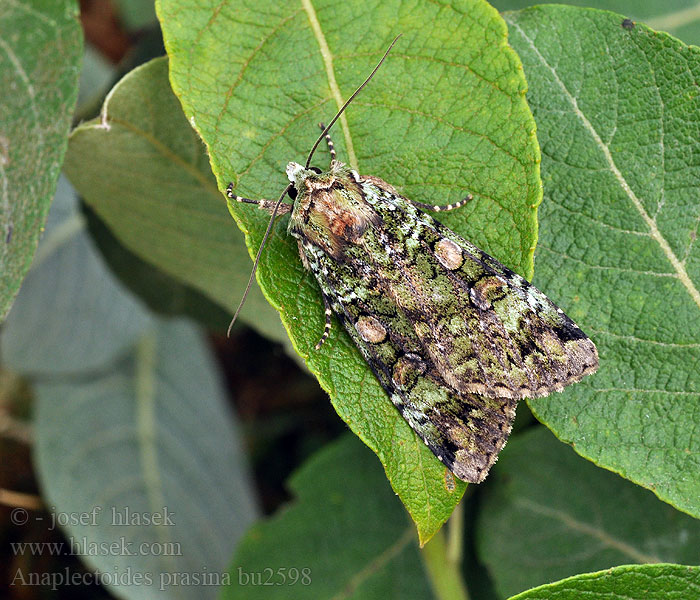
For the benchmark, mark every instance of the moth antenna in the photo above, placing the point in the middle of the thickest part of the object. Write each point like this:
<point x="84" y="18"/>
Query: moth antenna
<point x="349" y="100"/>
<point x="257" y="258"/>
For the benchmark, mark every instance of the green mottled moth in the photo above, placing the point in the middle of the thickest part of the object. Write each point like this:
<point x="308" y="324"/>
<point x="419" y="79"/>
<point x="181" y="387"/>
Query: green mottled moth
<point x="453" y="336"/>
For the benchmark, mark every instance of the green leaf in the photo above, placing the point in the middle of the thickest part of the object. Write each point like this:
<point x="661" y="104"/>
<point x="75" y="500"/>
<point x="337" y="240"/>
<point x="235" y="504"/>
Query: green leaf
<point x="532" y="529"/>
<point x="152" y="437"/>
<point x="679" y="17"/>
<point x="70" y="301"/>
<point x="444" y="116"/>
<point x="617" y="121"/>
<point x="344" y="527"/>
<point x="142" y="169"/>
<point x="660" y="582"/>
<point x="37" y="103"/>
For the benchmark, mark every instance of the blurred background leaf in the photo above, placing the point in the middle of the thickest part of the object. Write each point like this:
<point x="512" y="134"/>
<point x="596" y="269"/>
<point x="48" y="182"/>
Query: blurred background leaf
<point x="344" y="533"/>
<point x="146" y="175"/>
<point x="70" y="302"/>
<point x="37" y="103"/>
<point x="163" y="293"/>
<point x="151" y="436"/>
<point x="532" y="529"/>
<point x="136" y="13"/>
<point x="130" y="415"/>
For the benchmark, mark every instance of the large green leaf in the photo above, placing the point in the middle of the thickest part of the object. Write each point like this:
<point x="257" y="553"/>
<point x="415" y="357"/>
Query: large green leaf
<point x="617" y="112"/>
<point x="445" y="116"/>
<point x="38" y="97"/>
<point x="343" y="536"/>
<point x="532" y="529"/>
<point x="153" y="436"/>
<point x="657" y="582"/>
<point x="145" y="173"/>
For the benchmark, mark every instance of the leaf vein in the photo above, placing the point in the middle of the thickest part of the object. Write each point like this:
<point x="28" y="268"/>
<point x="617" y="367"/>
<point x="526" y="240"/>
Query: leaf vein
<point x="246" y="63"/>
<point x="643" y="341"/>
<point x="279" y="133"/>
<point x="578" y="213"/>
<point x="375" y="565"/>
<point x="607" y="267"/>
<point x="479" y="134"/>
<point x="35" y="13"/>
<point x="146" y="429"/>
<point x="32" y="104"/>
<point x="197" y="174"/>
<point x="645" y="391"/>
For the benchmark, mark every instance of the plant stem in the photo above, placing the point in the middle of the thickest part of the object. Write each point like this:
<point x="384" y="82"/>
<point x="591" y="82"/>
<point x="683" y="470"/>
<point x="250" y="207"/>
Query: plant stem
<point x="445" y="575"/>
<point x="455" y="541"/>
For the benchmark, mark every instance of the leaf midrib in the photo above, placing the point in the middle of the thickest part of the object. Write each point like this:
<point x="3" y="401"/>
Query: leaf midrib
<point x="146" y="433"/>
<point x="654" y="232"/>
<point x="333" y="84"/>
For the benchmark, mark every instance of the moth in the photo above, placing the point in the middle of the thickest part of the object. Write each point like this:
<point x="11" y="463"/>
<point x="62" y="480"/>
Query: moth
<point x="454" y="337"/>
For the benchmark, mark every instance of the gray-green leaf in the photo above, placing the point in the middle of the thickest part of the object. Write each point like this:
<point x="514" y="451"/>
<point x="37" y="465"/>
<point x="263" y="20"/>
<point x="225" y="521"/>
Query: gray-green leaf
<point x="344" y="536"/>
<point x="71" y="315"/>
<point x="142" y="168"/>
<point x="151" y="437"/>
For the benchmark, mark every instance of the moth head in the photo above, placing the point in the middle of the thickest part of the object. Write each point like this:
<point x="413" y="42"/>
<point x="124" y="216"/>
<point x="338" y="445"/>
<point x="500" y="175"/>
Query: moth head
<point x="298" y="175"/>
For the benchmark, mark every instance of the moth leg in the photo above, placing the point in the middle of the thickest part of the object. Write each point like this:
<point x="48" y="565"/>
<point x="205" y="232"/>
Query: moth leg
<point x="444" y="207"/>
<point x="267" y="205"/>
<point x="329" y="141"/>
<point x="327" y="328"/>
<point x="304" y="260"/>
